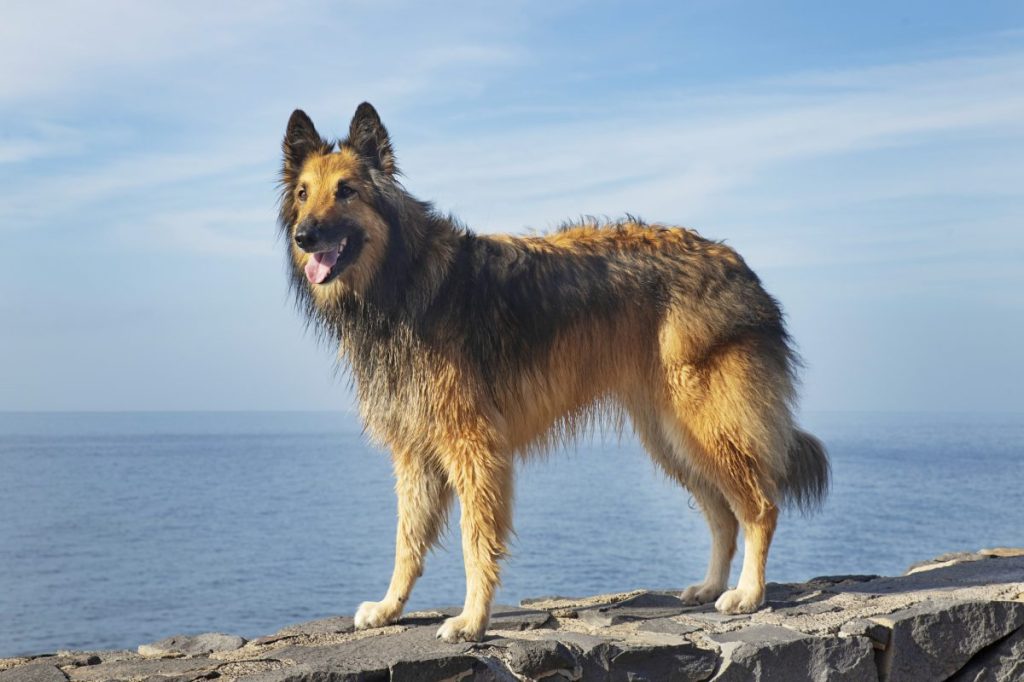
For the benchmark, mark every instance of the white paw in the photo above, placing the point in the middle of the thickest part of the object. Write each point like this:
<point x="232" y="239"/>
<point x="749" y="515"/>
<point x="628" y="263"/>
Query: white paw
<point x="701" y="593"/>
<point x="462" y="629"/>
<point x="740" y="600"/>
<point x="376" y="614"/>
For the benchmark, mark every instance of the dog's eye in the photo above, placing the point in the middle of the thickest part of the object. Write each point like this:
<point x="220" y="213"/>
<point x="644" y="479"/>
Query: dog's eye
<point x="302" y="194"/>
<point x="344" y="191"/>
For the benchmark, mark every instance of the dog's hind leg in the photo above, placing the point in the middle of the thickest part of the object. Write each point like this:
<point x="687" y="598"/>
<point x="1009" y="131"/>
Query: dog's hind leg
<point x="734" y="410"/>
<point x="672" y="456"/>
<point x="424" y="498"/>
<point x="734" y="489"/>
<point x="724" y="528"/>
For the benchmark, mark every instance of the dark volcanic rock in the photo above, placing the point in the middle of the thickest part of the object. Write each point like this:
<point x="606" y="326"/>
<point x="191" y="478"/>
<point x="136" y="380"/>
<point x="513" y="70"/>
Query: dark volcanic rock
<point x="671" y="662"/>
<point x="192" y="645"/>
<point x="516" y="618"/>
<point x="641" y="607"/>
<point x="963" y="617"/>
<point x="324" y="626"/>
<point x="1000" y="662"/>
<point x="34" y="672"/>
<point x="378" y="654"/>
<point x="669" y="626"/>
<point x="862" y="627"/>
<point x="536" y="659"/>
<point x="935" y="639"/>
<point x="771" y="653"/>
<point x="143" y="668"/>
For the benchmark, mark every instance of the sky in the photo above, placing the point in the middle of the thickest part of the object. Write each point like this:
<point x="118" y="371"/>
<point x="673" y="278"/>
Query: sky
<point x="867" y="159"/>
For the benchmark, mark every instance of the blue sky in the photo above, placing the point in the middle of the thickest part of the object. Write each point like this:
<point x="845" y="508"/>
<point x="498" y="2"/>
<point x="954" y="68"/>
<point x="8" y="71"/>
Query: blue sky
<point x="866" y="158"/>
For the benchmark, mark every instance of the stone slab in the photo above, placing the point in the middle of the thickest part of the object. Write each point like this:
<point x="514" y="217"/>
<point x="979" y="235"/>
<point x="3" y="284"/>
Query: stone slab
<point x="641" y="607"/>
<point x="934" y="639"/>
<point x="962" y="617"/>
<point x="143" y="668"/>
<point x="1000" y="662"/>
<point x="34" y="672"/>
<point x="770" y="653"/>
<point x="192" y="645"/>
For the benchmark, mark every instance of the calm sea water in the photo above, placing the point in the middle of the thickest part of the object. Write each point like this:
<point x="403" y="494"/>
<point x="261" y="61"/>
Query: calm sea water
<point x="117" y="529"/>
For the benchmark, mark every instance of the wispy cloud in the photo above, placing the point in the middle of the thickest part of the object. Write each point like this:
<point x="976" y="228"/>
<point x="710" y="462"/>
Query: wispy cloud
<point x="60" y="48"/>
<point x="679" y="155"/>
<point x="176" y="126"/>
<point x="140" y="147"/>
<point x="214" y="232"/>
<point x="664" y="158"/>
<point x="673" y="156"/>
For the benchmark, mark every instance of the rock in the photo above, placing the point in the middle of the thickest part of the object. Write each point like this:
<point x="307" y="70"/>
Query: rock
<point x="1002" y="662"/>
<point x="1002" y="551"/>
<point x="324" y="626"/>
<point x="862" y="627"/>
<point x="945" y="560"/>
<point x="536" y="659"/>
<point x="654" y="663"/>
<point x="641" y="607"/>
<point x="192" y="645"/>
<point x="592" y="653"/>
<point x="963" y="617"/>
<point x="143" y="668"/>
<point x="952" y="558"/>
<point x="933" y="640"/>
<point x="502" y="617"/>
<point x="33" y="672"/>
<point x="945" y="575"/>
<point x="380" y="655"/>
<point x="669" y="626"/>
<point x="516" y="618"/>
<point x="769" y="653"/>
<point x="830" y="580"/>
<point x="438" y="669"/>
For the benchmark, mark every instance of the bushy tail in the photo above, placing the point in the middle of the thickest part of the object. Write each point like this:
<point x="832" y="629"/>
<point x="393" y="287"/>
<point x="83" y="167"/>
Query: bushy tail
<point x="806" y="479"/>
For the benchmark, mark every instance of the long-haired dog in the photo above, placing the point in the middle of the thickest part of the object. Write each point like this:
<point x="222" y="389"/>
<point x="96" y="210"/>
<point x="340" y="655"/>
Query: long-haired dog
<point x="468" y="350"/>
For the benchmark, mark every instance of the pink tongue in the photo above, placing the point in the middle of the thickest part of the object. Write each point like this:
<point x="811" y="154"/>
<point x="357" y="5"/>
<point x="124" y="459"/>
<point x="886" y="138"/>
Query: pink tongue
<point x="319" y="265"/>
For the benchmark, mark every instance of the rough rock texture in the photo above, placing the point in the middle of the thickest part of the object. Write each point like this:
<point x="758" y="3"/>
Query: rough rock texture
<point x="192" y="645"/>
<point x="958" y="617"/>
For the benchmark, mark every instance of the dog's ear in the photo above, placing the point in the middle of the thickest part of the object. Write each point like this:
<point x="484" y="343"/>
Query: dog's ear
<point x="300" y="139"/>
<point x="368" y="136"/>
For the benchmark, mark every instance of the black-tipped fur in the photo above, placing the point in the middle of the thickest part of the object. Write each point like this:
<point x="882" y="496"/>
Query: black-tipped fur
<point x="467" y="350"/>
<point x="805" y="482"/>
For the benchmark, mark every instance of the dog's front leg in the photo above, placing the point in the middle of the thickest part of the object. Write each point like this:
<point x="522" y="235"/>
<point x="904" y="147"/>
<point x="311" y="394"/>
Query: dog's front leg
<point x="483" y="481"/>
<point x="424" y="497"/>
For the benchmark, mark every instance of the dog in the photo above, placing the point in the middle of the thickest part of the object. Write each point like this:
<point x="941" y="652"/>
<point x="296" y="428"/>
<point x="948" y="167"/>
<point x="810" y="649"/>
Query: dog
<point x="467" y="351"/>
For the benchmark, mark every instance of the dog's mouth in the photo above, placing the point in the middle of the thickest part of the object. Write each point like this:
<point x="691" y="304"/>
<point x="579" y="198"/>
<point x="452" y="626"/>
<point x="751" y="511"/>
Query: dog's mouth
<point x="324" y="266"/>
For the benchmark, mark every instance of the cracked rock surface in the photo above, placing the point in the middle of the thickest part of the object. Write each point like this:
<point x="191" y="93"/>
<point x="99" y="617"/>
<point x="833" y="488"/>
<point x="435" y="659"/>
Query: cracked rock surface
<point x="958" y="617"/>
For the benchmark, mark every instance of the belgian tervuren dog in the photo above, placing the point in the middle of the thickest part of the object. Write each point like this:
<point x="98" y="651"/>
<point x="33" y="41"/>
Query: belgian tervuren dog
<point x="469" y="350"/>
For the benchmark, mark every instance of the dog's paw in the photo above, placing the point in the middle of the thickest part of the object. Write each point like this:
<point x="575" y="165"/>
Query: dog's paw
<point x="462" y="629"/>
<point x="740" y="600"/>
<point x="701" y="593"/>
<point x="376" y="614"/>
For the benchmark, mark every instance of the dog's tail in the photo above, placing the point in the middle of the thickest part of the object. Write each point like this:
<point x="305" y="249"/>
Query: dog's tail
<point x="805" y="481"/>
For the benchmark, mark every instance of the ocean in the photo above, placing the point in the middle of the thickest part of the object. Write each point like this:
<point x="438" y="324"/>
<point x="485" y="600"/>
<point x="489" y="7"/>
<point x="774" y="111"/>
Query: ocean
<point x="122" y="528"/>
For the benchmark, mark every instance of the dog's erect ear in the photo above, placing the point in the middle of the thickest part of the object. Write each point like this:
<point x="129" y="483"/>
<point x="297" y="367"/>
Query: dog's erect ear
<point x="369" y="137"/>
<point x="300" y="140"/>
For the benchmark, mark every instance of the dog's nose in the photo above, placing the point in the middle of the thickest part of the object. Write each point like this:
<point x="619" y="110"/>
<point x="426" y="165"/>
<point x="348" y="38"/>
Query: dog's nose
<point x="305" y="236"/>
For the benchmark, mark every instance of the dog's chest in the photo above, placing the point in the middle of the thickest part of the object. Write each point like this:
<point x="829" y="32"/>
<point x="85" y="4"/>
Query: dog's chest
<point x="392" y="379"/>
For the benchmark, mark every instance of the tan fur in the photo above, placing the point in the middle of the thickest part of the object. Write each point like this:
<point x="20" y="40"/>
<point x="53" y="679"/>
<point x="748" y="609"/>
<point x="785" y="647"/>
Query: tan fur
<point x="702" y="368"/>
<point x="712" y="435"/>
<point x="320" y="176"/>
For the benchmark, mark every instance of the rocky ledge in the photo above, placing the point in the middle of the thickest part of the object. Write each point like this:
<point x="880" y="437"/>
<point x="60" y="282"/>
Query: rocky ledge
<point x="957" y="617"/>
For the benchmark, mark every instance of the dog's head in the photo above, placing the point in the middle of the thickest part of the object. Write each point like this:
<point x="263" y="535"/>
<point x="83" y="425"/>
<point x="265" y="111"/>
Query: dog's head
<point x="330" y="203"/>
